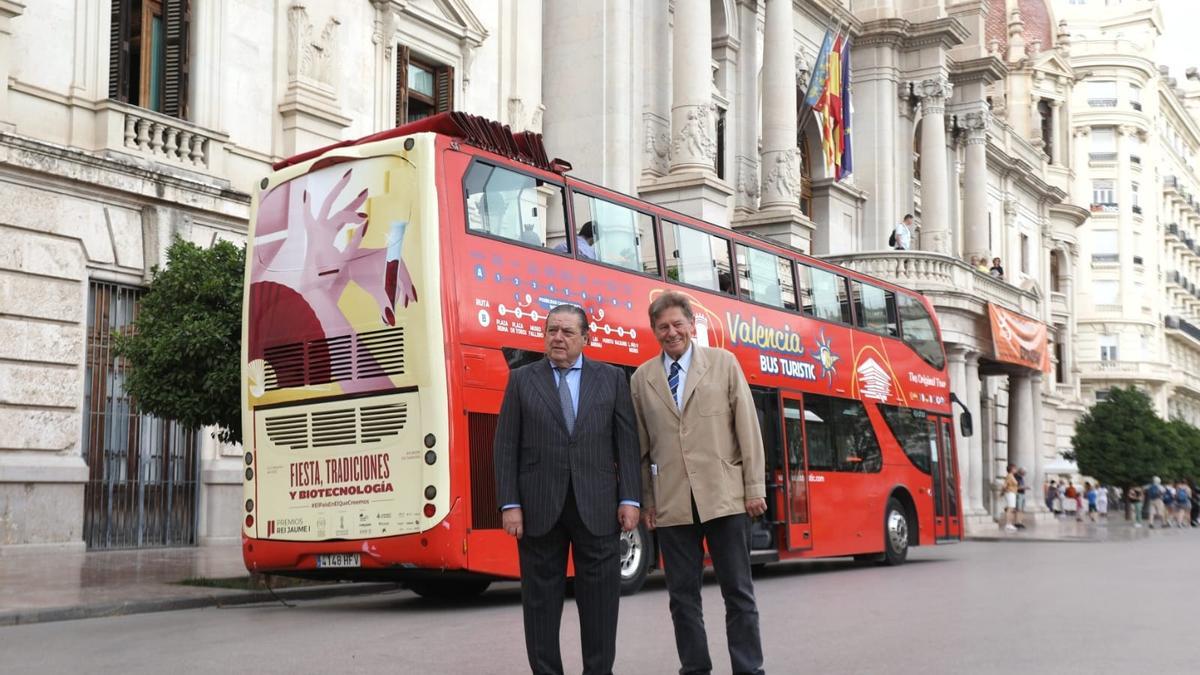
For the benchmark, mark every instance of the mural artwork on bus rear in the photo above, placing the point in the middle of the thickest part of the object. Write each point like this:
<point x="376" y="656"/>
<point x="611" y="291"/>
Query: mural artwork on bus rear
<point x="335" y="308"/>
<point x="328" y="268"/>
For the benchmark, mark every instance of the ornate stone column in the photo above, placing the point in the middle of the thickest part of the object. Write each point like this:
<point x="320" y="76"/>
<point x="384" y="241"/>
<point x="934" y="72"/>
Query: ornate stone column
<point x="1035" y="475"/>
<point x="958" y="385"/>
<point x="975" y="225"/>
<point x="972" y="389"/>
<point x="1021" y="425"/>
<point x="780" y="163"/>
<point x="935" y="202"/>
<point x="693" y="130"/>
<point x="1057" y="140"/>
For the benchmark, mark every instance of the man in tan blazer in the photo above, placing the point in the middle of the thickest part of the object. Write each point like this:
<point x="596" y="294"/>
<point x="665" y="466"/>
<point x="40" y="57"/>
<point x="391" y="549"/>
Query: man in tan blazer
<point x="702" y="479"/>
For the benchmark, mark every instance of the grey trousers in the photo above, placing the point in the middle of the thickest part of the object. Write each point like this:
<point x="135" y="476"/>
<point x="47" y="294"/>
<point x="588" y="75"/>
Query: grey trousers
<point x="682" y="549"/>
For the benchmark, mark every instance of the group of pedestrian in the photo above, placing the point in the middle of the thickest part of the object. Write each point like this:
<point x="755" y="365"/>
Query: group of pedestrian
<point x="1169" y="504"/>
<point x="1172" y="504"/>
<point x="580" y="453"/>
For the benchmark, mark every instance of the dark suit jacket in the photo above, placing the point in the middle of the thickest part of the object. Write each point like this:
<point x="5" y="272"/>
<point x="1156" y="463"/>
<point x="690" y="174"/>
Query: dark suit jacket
<point x="535" y="457"/>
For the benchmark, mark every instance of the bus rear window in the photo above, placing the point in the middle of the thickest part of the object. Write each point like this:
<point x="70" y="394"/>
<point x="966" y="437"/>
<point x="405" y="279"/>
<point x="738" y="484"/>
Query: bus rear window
<point x="515" y="206"/>
<point x="918" y="330"/>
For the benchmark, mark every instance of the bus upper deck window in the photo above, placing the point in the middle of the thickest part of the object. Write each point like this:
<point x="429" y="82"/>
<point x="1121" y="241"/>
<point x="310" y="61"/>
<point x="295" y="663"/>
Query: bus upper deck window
<point x="765" y="277"/>
<point x="697" y="258"/>
<point x="615" y="234"/>
<point x="824" y="293"/>
<point x="512" y="205"/>
<point x="917" y="328"/>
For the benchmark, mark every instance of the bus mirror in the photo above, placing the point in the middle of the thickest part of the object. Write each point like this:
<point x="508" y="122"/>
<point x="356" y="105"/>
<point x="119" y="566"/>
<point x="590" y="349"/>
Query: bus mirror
<point x="965" y="424"/>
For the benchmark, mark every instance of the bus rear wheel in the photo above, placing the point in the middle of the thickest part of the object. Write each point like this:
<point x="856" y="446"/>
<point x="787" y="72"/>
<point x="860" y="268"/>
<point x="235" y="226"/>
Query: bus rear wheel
<point x="637" y="556"/>
<point x="895" y="533"/>
<point x="446" y="589"/>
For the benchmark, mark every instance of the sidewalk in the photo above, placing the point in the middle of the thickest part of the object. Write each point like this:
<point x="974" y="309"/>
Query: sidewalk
<point x="58" y="587"/>
<point x="1048" y="528"/>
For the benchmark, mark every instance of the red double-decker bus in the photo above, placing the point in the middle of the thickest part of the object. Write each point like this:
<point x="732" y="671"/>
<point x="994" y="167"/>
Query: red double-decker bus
<point x="393" y="283"/>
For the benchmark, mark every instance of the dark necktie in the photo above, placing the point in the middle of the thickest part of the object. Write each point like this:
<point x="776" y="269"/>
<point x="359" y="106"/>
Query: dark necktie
<point x="564" y="398"/>
<point x="673" y="381"/>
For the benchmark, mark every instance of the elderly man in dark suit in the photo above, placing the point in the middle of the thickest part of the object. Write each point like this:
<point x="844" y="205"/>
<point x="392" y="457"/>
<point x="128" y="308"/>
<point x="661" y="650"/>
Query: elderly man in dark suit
<point x="568" y="475"/>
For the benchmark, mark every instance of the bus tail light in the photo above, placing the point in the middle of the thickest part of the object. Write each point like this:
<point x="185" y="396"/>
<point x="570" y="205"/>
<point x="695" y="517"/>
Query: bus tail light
<point x="249" y="520"/>
<point x="430" y="509"/>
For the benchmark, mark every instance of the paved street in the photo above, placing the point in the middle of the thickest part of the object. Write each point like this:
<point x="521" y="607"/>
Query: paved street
<point x="976" y="607"/>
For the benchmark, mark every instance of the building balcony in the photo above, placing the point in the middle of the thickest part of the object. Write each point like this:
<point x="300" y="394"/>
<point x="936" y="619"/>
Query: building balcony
<point x="1058" y="304"/>
<point x="1102" y="156"/>
<point x="1102" y="102"/>
<point x="1105" y="207"/>
<point x="1173" y="229"/>
<point x="945" y="279"/>
<point x="159" y="138"/>
<point x="1124" y="370"/>
<point x="1106" y="257"/>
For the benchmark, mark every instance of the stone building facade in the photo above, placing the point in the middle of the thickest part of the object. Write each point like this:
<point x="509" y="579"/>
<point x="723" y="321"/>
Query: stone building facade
<point x="108" y="150"/>
<point x="1138" y="137"/>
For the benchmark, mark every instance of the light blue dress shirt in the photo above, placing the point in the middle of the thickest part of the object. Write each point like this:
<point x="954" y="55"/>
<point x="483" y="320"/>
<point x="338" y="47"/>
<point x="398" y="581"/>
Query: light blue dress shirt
<point x="685" y="364"/>
<point x="573" y="376"/>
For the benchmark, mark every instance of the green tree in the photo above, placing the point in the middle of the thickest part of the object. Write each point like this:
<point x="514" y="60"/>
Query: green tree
<point x="1122" y="440"/>
<point x="1181" y="453"/>
<point x="184" y="347"/>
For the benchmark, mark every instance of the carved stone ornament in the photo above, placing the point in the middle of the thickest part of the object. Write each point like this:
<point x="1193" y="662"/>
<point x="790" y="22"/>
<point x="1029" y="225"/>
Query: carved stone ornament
<point x="783" y="178"/>
<point x="933" y="88"/>
<point x="308" y="57"/>
<point x="747" y="180"/>
<point x="697" y="137"/>
<point x="656" y="147"/>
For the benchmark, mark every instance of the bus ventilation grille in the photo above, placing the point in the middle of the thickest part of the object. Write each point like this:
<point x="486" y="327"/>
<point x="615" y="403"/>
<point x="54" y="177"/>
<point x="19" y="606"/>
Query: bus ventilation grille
<point x="343" y="426"/>
<point x="377" y="353"/>
<point x="481" y="432"/>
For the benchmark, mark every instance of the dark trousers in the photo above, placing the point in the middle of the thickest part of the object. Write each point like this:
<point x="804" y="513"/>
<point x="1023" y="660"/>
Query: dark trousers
<point x="682" y="549"/>
<point x="597" y="592"/>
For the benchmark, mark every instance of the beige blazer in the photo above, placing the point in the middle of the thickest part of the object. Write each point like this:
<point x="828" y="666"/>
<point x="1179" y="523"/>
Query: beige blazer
<point x="712" y="449"/>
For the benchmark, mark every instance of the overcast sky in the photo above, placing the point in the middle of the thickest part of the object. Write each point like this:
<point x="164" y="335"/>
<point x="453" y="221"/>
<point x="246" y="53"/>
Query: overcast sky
<point x="1181" y="25"/>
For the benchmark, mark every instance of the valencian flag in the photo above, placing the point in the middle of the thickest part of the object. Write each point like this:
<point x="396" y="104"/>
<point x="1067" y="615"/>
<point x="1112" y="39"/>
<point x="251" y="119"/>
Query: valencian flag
<point x="829" y="111"/>
<point x="820" y="72"/>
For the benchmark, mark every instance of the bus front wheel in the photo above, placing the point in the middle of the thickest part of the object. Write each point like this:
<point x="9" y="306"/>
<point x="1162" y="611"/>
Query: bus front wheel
<point x="895" y="533"/>
<point x="637" y="556"/>
<point x="445" y="589"/>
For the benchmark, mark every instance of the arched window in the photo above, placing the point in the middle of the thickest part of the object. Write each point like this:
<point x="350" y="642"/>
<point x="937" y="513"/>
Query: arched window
<point x="806" y="193"/>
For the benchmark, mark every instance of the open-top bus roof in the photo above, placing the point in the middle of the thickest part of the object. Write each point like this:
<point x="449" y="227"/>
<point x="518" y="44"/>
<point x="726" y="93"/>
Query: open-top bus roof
<point x="522" y="146"/>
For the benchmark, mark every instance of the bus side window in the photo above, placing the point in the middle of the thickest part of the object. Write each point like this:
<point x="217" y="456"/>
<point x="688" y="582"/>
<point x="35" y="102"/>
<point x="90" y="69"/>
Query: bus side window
<point x="917" y="328"/>
<point x="615" y="234"/>
<point x="697" y="258"/>
<point x="824" y="294"/>
<point x="875" y="308"/>
<point x="840" y="436"/>
<point x="765" y="277"/>
<point x="512" y="205"/>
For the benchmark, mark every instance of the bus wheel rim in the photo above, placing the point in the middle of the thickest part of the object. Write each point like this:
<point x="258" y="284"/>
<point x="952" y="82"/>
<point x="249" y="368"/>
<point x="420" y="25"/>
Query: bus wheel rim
<point x="631" y="554"/>
<point x="897" y="531"/>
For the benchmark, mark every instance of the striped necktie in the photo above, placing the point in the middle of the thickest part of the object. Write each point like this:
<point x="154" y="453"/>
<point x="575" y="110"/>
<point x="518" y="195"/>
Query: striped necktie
<point x="673" y="381"/>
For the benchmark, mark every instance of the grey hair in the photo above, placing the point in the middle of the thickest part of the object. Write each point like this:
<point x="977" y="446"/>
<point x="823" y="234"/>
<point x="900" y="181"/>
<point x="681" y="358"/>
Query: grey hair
<point x="568" y="308"/>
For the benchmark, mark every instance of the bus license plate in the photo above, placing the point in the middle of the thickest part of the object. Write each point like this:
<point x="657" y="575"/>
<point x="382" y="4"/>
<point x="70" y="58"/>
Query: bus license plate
<point x="340" y="560"/>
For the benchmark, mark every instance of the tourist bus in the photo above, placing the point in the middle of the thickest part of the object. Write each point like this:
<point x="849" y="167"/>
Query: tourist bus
<point x="394" y="282"/>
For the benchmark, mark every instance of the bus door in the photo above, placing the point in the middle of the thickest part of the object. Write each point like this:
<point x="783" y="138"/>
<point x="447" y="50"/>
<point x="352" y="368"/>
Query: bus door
<point x="799" y="526"/>
<point x="946" y="513"/>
